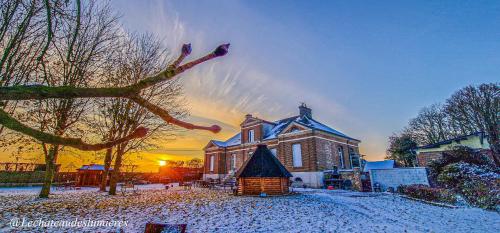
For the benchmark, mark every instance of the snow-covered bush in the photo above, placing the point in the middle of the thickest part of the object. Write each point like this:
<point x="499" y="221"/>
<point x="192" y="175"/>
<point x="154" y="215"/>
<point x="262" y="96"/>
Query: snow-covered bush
<point x="480" y="185"/>
<point x="458" y="154"/>
<point x="427" y="193"/>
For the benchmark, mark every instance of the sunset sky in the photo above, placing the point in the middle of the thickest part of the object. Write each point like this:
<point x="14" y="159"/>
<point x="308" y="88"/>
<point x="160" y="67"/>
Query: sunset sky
<point x="364" y="67"/>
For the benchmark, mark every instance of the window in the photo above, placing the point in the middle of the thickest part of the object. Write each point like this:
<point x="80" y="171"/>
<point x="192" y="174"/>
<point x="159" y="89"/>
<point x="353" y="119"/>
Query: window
<point x="341" y="156"/>
<point x="273" y="150"/>
<point x="354" y="158"/>
<point x="212" y="162"/>
<point x="297" y="155"/>
<point x="233" y="162"/>
<point x="251" y="134"/>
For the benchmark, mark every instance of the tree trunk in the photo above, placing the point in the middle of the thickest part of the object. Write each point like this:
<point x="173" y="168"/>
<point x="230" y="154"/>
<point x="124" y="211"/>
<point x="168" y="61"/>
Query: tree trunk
<point x="495" y="149"/>
<point x="107" y="165"/>
<point x="115" y="174"/>
<point x="50" y="170"/>
<point x="494" y="142"/>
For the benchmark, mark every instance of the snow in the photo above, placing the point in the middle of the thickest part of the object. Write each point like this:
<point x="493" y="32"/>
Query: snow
<point x="235" y="140"/>
<point x="93" y="167"/>
<point x="203" y="210"/>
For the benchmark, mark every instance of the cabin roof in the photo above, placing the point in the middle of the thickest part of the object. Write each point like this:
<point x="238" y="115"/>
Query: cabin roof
<point x="263" y="163"/>
<point x="93" y="167"/>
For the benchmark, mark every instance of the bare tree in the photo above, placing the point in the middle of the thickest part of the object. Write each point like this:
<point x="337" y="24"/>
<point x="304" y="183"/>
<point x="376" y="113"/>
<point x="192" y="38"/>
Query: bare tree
<point x="431" y="125"/>
<point x="118" y="117"/>
<point x="65" y="66"/>
<point x="477" y="108"/>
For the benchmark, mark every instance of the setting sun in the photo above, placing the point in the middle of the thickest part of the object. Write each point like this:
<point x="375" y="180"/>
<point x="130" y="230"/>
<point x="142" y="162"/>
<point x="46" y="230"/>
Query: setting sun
<point x="162" y="163"/>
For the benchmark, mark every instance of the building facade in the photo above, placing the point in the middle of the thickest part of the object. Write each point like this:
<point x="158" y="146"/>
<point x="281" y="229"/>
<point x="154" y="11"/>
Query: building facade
<point x="428" y="153"/>
<point x="303" y="145"/>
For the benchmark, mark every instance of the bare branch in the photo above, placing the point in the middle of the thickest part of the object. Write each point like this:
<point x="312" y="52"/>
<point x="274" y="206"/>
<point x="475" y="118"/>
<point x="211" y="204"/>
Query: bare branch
<point x="70" y="92"/>
<point x="168" y="118"/>
<point x="13" y="124"/>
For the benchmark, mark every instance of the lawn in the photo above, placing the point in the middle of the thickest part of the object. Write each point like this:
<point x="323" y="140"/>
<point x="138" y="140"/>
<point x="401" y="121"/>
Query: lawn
<point x="216" y="211"/>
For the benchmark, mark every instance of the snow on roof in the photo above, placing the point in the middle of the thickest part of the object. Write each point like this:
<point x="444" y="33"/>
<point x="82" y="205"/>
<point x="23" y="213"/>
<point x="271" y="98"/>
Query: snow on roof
<point x="93" y="167"/>
<point x="234" y="140"/>
<point x="272" y="130"/>
<point x="385" y="164"/>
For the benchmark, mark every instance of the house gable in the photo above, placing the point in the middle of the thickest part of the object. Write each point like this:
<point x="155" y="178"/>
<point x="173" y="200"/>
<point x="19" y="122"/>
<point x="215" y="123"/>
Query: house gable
<point x="294" y="127"/>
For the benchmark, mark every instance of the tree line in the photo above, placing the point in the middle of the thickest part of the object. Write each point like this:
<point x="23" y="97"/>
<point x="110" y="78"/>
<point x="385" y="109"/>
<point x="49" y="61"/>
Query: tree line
<point x="72" y="77"/>
<point x="472" y="109"/>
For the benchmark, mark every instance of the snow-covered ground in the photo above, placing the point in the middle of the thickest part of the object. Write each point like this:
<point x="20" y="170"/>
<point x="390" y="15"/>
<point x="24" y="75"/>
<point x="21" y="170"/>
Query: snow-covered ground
<point x="216" y="211"/>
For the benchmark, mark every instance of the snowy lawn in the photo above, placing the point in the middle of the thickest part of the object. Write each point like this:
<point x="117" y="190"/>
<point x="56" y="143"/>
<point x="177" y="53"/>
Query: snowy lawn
<point x="216" y="211"/>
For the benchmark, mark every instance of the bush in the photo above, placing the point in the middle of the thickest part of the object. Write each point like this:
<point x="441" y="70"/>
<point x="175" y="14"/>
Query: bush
<point x="427" y="193"/>
<point x="480" y="185"/>
<point x="458" y="154"/>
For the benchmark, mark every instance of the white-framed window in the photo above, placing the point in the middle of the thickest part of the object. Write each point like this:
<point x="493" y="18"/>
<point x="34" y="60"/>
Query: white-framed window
<point x="233" y="162"/>
<point x="212" y="162"/>
<point x="297" y="155"/>
<point x="354" y="158"/>
<point x="274" y="151"/>
<point x="341" y="157"/>
<point x="251" y="135"/>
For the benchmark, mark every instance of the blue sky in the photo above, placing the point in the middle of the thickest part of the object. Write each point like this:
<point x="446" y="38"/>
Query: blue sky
<point x="365" y="67"/>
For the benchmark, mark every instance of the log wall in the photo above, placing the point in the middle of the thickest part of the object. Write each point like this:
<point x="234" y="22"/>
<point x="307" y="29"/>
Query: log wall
<point x="258" y="185"/>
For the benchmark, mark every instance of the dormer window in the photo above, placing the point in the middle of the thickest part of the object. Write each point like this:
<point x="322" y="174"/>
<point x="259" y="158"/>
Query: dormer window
<point x="251" y="136"/>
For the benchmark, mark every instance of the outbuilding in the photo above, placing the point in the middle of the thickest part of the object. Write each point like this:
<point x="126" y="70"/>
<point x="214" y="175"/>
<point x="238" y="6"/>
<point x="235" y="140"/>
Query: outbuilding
<point x="263" y="174"/>
<point x="90" y="175"/>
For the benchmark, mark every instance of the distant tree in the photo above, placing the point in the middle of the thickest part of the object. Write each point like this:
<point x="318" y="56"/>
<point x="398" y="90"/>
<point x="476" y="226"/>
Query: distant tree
<point x="194" y="163"/>
<point x="402" y="149"/>
<point x="431" y="126"/>
<point x="174" y="163"/>
<point x="477" y="108"/>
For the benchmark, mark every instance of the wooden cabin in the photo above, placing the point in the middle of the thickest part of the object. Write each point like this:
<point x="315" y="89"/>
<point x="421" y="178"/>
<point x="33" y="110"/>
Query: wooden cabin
<point x="90" y="175"/>
<point x="263" y="173"/>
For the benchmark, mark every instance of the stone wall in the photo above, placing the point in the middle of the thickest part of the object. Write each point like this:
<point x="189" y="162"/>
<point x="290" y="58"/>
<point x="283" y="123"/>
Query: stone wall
<point x="398" y="176"/>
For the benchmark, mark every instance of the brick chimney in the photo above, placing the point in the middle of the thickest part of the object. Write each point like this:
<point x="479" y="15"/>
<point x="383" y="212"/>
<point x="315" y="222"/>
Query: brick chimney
<point x="305" y="111"/>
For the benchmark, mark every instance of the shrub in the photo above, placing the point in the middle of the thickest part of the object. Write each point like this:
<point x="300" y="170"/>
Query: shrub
<point x="458" y="154"/>
<point x="480" y="185"/>
<point x="427" y="193"/>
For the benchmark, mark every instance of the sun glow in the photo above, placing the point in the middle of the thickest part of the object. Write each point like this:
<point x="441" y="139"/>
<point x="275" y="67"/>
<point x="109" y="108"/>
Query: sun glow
<point x="162" y="163"/>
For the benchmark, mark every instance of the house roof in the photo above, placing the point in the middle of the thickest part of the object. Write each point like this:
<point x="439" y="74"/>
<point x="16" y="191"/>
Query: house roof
<point x="449" y="141"/>
<point x="273" y="129"/>
<point x="385" y="164"/>
<point x="93" y="167"/>
<point x="263" y="163"/>
<point x="234" y="140"/>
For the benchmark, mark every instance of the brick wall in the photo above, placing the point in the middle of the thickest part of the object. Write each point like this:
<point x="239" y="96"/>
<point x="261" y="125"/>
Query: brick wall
<point x="424" y="158"/>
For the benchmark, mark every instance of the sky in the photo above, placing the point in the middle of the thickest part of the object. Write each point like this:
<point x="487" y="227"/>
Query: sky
<point x="364" y="67"/>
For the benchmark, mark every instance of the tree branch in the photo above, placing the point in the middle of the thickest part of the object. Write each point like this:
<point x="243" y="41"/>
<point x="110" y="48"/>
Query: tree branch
<point x="168" y="118"/>
<point x="13" y="124"/>
<point x="38" y="92"/>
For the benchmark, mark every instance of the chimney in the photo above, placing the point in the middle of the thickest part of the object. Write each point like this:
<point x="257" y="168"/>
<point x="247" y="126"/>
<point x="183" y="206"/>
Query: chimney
<point x="248" y="116"/>
<point x="305" y="111"/>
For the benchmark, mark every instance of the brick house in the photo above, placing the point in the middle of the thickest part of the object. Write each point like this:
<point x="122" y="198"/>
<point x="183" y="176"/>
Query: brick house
<point x="305" y="146"/>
